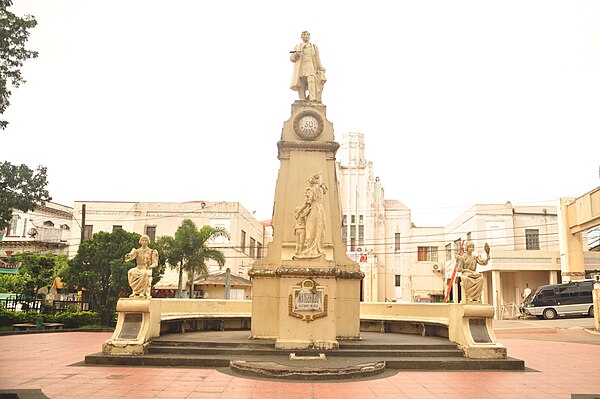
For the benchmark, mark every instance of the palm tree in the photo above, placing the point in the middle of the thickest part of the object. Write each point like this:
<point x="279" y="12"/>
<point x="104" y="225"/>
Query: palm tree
<point x="189" y="250"/>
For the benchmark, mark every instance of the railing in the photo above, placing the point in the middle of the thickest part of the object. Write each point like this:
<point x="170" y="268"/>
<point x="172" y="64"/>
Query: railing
<point x="509" y="311"/>
<point x="49" y="234"/>
<point x="17" y="304"/>
<point x="61" y="306"/>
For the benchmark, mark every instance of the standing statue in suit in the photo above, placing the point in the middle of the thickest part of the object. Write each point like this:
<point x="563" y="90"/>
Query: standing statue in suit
<point x="309" y="74"/>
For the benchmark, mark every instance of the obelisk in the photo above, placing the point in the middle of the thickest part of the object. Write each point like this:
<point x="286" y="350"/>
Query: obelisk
<point x="306" y="291"/>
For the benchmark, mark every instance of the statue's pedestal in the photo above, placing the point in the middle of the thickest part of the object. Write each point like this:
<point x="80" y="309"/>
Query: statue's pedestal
<point x="137" y="323"/>
<point x="306" y="305"/>
<point x="471" y="327"/>
<point x="308" y="302"/>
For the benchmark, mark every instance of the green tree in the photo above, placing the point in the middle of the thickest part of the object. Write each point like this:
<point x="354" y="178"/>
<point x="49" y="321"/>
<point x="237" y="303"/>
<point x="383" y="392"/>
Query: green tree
<point x="11" y="283"/>
<point x="99" y="267"/>
<point x="189" y="251"/>
<point x="37" y="271"/>
<point x="21" y="188"/>
<point x="14" y="33"/>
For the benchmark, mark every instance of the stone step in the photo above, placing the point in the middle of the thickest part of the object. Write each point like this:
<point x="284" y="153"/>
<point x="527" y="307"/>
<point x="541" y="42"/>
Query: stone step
<point x="336" y="363"/>
<point x="236" y="351"/>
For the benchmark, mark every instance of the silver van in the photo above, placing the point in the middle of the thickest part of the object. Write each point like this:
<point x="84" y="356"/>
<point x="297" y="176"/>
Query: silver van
<point x="550" y="301"/>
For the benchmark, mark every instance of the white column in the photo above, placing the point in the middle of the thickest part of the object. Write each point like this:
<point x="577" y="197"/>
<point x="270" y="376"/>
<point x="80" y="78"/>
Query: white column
<point x="496" y="292"/>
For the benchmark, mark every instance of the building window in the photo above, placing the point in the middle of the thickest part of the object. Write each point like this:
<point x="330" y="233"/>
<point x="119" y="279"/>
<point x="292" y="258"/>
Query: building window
<point x="360" y="219"/>
<point x="88" y="231"/>
<point x="427" y="254"/>
<point x="243" y="241"/>
<point x="258" y="250"/>
<point x="457" y="246"/>
<point x="352" y="219"/>
<point x="397" y="242"/>
<point x="344" y="234"/>
<point x="223" y="223"/>
<point x="12" y="229"/>
<point x="150" y="231"/>
<point x="449" y="252"/>
<point x="48" y="223"/>
<point x="116" y="226"/>
<point x="252" y="247"/>
<point x="398" y="279"/>
<point x="361" y="235"/>
<point x="532" y="239"/>
<point x="344" y="220"/>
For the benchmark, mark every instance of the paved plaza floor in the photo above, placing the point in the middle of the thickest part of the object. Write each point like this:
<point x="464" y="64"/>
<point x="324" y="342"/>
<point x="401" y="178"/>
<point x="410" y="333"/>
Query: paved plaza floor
<point x="560" y="363"/>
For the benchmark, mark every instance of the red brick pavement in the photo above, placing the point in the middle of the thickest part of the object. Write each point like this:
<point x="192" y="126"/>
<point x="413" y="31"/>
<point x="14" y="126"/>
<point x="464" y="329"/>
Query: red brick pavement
<point x="46" y="362"/>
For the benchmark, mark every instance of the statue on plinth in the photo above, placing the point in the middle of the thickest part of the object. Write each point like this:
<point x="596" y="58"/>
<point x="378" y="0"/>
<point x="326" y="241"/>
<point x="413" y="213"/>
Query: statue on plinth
<point x="311" y="215"/>
<point x="471" y="281"/>
<point x="140" y="276"/>
<point x="309" y="74"/>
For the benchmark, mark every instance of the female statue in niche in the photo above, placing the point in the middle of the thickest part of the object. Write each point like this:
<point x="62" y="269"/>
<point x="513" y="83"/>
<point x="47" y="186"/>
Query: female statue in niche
<point x="312" y="215"/>
<point x="471" y="281"/>
<point x="140" y="276"/>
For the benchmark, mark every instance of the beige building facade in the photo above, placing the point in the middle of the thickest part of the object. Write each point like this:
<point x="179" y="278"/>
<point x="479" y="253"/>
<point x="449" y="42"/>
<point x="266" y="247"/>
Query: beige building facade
<point x="163" y="218"/>
<point x="525" y="251"/>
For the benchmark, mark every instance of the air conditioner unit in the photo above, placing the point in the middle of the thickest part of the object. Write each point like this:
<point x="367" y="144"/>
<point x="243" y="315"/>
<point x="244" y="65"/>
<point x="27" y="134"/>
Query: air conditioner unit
<point x="436" y="268"/>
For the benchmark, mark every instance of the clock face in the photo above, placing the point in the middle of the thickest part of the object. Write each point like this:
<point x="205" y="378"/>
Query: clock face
<point x="308" y="125"/>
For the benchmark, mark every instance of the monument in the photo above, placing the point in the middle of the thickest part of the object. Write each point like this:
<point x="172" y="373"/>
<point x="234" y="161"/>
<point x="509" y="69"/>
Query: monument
<point x="471" y="280"/>
<point x="306" y="291"/>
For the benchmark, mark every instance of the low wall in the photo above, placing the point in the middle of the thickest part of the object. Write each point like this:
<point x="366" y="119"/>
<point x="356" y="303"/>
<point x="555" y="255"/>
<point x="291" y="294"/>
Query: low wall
<point x="469" y="326"/>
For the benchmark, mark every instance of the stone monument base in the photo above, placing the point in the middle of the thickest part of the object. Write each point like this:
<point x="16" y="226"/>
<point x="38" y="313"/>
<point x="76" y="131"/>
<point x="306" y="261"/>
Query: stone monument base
<point x="137" y="323"/>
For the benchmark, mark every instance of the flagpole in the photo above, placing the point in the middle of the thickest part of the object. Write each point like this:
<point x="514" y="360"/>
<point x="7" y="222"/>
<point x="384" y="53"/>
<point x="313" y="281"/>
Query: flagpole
<point x="451" y="284"/>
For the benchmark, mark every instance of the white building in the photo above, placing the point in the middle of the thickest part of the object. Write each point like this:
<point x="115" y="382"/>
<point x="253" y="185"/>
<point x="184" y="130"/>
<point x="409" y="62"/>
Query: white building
<point x="380" y="232"/>
<point x="45" y="229"/>
<point x="163" y="218"/>
<point x="410" y="262"/>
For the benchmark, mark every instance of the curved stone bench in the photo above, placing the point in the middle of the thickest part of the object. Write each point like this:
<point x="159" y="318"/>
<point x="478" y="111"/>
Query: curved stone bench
<point x="140" y="320"/>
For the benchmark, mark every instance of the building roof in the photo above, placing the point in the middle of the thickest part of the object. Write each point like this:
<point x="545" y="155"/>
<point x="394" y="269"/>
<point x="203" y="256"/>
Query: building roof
<point x="219" y="279"/>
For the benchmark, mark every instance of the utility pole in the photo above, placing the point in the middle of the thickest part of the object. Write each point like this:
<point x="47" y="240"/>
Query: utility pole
<point x="82" y="223"/>
<point x="228" y="283"/>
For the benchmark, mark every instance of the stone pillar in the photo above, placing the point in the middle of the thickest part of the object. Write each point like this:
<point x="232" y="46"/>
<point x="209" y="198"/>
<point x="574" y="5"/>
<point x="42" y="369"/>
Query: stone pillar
<point x="571" y="245"/>
<point x="305" y="299"/>
<point x="496" y="292"/>
<point x="596" y="299"/>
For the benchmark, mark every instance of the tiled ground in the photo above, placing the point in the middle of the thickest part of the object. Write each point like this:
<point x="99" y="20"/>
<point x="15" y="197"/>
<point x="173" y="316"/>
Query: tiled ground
<point x="45" y="361"/>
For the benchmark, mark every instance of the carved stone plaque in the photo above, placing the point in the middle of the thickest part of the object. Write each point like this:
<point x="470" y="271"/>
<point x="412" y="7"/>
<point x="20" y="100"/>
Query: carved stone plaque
<point x="308" y="301"/>
<point x="479" y="330"/>
<point x="308" y="125"/>
<point x="131" y="326"/>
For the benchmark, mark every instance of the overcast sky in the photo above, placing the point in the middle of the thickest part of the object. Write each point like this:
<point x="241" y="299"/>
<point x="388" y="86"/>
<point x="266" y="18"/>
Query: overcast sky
<point x="460" y="102"/>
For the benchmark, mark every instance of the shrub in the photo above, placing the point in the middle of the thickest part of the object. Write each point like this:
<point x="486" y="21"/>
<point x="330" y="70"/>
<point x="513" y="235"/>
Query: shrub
<point x="69" y="319"/>
<point x="77" y="319"/>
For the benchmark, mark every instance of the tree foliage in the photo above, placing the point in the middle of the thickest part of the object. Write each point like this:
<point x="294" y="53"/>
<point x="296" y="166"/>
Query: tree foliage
<point x="37" y="271"/>
<point x="21" y="188"/>
<point x="14" y="33"/>
<point x="189" y="251"/>
<point x="99" y="267"/>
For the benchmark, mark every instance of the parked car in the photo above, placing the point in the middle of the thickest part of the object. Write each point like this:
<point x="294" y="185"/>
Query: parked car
<point x="550" y="301"/>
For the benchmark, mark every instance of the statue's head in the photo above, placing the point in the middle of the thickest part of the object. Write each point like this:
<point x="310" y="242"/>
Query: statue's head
<point x="469" y="244"/>
<point x="305" y="36"/>
<point x="144" y="237"/>
<point x="315" y="179"/>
